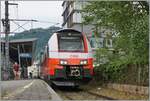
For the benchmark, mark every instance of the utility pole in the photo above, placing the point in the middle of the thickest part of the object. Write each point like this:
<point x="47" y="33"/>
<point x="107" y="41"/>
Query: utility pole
<point x="6" y="24"/>
<point x="0" y="48"/>
<point x="7" y="30"/>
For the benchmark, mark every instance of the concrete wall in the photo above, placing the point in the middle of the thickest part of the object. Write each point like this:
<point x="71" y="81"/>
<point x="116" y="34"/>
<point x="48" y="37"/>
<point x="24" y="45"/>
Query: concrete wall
<point x="77" y="17"/>
<point x="130" y="88"/>
<point x="87" y="29"/>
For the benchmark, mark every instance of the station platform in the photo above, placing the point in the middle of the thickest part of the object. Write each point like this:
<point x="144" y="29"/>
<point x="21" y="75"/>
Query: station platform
<point x="27" y="90"/>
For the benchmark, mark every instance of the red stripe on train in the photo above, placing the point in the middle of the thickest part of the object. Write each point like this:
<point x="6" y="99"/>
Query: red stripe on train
<point x="52" y="63"/>
<point x="85" y="43"/>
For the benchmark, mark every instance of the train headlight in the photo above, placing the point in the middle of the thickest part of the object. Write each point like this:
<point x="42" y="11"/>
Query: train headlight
<point x="83" y="62"/>
<point x="63" y="62"/>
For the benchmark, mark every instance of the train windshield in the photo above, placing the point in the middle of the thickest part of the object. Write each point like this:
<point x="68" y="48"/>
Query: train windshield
<point x="71" y="42"/>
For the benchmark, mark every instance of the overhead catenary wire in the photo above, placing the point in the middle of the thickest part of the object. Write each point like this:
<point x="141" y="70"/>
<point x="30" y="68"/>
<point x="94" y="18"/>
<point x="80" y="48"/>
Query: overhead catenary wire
<point x="17" y="13"/>
<point x="27" y="21"/>
<point x="16" y="20"/>
<point x="19" y="26"/>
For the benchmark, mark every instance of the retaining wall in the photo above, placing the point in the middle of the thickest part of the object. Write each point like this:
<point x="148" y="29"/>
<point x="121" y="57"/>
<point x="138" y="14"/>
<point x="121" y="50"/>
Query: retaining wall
<point x="130" y="88"/>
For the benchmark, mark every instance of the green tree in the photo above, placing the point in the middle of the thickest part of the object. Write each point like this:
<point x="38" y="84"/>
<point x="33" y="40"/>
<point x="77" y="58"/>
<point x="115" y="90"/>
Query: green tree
<point x="130" y="21"/>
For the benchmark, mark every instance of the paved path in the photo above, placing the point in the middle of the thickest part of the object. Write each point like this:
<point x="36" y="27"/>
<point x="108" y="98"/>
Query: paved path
<point x="27" y="90"/>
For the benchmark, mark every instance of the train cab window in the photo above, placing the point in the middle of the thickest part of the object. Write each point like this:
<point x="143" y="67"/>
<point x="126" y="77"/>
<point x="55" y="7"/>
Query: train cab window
<point x="71" y="42"/>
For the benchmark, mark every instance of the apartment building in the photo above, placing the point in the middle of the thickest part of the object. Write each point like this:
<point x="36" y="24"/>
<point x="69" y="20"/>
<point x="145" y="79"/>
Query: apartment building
<point x="72" y="18"/>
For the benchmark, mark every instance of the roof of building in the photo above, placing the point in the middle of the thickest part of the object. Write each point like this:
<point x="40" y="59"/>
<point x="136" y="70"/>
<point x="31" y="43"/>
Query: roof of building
<point x="21" y="40"/>
<point x="26" y="47"/>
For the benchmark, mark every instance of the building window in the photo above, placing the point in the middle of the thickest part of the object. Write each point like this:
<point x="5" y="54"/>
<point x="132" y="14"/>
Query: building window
<point x="71" y="4"/>
<point x="93" y="43"/>
<point x="103" y="34"/>
<point x="71" y="20"/>
<point x="100" y="42"/>
<point x="109" y="42"/>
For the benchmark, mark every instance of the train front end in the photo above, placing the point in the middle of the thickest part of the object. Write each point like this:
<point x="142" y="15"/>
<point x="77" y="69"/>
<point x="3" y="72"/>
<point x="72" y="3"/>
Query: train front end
<point x="69" y="57"/>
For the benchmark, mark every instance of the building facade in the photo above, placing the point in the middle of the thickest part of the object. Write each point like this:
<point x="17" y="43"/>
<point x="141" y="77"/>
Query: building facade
<point x="72" y="18"/>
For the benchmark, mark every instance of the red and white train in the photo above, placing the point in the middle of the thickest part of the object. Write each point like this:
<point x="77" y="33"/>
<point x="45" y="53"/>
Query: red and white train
<point x="67" y="57"/>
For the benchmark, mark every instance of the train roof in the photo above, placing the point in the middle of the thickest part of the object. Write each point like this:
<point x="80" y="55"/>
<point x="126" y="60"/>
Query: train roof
<point x="68" y="30"/>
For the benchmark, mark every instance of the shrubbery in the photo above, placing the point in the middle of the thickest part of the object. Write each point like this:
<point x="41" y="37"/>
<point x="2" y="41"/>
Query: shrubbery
<point x="128" y="61"/>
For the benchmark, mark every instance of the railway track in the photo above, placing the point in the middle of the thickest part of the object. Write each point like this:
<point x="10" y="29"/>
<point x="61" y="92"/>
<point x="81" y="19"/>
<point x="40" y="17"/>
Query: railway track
<point x="79" y="94"/>
<point x="105" y="97"/>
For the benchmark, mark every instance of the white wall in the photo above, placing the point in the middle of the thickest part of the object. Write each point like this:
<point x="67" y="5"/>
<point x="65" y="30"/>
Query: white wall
<point x="77" y="17"/>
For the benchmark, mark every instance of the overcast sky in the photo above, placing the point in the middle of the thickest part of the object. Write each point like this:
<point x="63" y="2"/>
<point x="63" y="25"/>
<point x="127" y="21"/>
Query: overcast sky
<point x="49" y="11"/>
